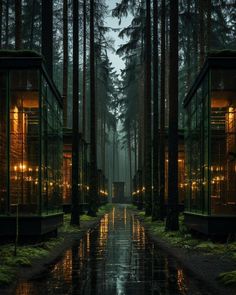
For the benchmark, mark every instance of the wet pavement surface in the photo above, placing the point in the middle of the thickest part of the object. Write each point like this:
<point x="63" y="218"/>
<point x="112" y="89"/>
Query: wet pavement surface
<point x="116" y="258"/>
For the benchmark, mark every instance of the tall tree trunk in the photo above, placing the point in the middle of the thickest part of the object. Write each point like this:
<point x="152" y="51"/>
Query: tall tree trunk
<point x="84" y="67"/>
<point x="135" y="184"/>
<point x="93" y="142"/>
<point x="130" y="159"/>
<point x="140" y="147"/>
<point x="162" y="111"/>
<point x="47" y="34"/>
<point x="201" y="32"/>
<point x="172" y="221"/>
<point x="117" y="158"/>
<point x="113" y="157"/>
<point x="75" y="198"/>
<point x="140" y="130"/>
<point x="156" y="201"/>
<point x="188" y="57"/>
<point x="208" y="25"/>
<point x="101" y="133"/>
<point x="32" y="25"/>
<point x="7" y="25"/>
<point x="135" y="147"/>
<point x="84" y="105"/>
<point x="147" y="123"/>
<point x="1" y="14"/>
<point x="196" y="38"/>
<point x="65" y="60"/>
<point x="104" y="144"/>
<point x="18" y="24"/>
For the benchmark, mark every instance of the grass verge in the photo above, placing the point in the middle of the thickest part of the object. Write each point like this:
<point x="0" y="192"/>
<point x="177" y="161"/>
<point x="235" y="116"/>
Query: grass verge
<point x="184" y="239"/>
<point x="27" y="254"/>
<point x="228" y="278"/>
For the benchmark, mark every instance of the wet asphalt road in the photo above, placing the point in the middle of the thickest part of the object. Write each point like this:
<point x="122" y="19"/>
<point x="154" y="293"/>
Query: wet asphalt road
<point x="116" y="258"/>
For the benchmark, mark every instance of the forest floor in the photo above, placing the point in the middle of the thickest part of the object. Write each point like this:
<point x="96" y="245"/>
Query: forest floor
<point x="212" y="262"/>
<point x="33" y="259"/>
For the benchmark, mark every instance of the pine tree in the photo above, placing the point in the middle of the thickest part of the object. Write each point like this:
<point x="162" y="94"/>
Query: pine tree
<point x="47" y="34"/>
<point x="75" y="198"/>
<point x="156" y="197"/>
<point x="147" y="114"/>
<point x="93" y="193"/>
<point x="18" y="24"/>
<point x="65" y="60"/>
<point x="172" y="221"/>
<point x="162" y="111"/>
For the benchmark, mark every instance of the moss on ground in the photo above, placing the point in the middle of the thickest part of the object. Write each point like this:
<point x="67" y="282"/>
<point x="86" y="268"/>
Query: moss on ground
<point x="105" y="209"/>
<point x="7" y="275"/>
<point x="67" y="227"/>
<point x="26" y="254"/>
<point x="86" y="217"/>
<point x="184" y="239"/>
<point x="228" y="278"/>
<point x="131" y="207"/>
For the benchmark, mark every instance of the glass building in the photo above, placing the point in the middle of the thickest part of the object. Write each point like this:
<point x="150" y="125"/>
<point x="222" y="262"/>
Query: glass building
<point x="102" y="187"/>
<point x="84" y="174"/>
<point x="67" y="171"/>
<point x="138" y="188"/>
<point x="30" y="146"/>
<point x="211" y="147"/>
<point x="181" y="171"/>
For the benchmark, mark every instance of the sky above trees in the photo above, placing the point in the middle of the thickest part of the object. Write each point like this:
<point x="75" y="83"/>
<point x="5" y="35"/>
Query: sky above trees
<point x="112" y="22"/>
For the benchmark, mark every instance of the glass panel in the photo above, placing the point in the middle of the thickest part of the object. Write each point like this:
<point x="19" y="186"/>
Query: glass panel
<point x="67" y="174"/>
<point x="181" y="173"/>
<point x="197" y="205"/>
<point x="44" y="114"/>
<point x="196" y="178"/>
<point x="84" y="174"/>
<point x="187" y="139"/>
<point x="223" y="142"/>
<point x="51" y="151"/>
<point x="3" y="142"/>
<point x="24" y="141"/>
<point x="205" y="144"/>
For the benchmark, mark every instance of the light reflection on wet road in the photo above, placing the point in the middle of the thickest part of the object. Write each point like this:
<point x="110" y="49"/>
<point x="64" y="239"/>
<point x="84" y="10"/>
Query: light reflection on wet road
<point x="116" y="258"/>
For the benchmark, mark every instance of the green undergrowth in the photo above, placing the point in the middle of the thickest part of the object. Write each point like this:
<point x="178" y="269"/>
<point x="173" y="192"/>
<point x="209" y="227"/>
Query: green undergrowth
<point x="228" y="278"/>
<point x="86" y="217"/>
<point x="105" y="209"/>
<point x="7" y="275"/>
<point x="26" y="254"/>
<point x="68" y="228"/>
<point x="131" y="207"/>
<point x="184" y="239"/>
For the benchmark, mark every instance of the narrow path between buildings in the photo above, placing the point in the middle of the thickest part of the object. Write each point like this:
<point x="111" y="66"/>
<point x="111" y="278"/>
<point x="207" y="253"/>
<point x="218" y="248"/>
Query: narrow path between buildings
<point x="115" y="258"/>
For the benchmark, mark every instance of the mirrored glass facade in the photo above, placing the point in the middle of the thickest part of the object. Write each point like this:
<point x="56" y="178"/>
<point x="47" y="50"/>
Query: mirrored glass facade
<point x="211" y="142"/>
<point x="30" y="141"/>
<point x="67" y="168"/>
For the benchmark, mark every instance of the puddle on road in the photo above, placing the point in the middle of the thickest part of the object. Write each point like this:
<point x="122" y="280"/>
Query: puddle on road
<point x="116" y="258"/>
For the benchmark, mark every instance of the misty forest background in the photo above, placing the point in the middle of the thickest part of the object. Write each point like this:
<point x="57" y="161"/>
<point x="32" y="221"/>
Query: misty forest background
<point x="122" y="111"/>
